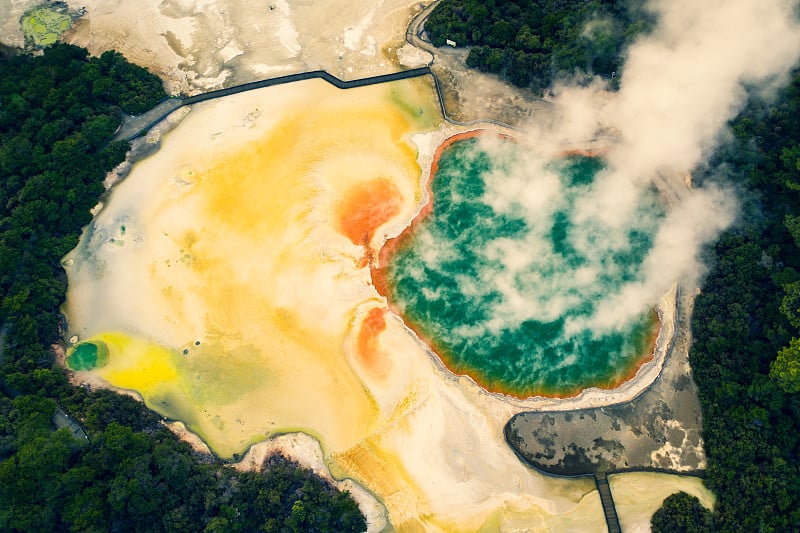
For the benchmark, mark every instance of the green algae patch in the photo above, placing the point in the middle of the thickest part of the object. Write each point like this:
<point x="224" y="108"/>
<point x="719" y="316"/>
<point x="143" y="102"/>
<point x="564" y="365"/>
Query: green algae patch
<point x="415" y="102"/>
<point x="43" y="25"/>
<point x="88" y="356"/>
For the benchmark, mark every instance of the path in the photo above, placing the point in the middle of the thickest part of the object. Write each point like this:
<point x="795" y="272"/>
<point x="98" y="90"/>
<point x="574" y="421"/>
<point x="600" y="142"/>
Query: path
<point x="132" y="127"/>
<point x="330" y="78"/>
<point x="415" y="29"/>
<point x="612" y="520"/>
<point x="63" y="420"/>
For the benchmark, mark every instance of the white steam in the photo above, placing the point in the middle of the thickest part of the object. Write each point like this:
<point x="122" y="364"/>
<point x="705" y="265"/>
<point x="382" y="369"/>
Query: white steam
<point x="681" y="84"/>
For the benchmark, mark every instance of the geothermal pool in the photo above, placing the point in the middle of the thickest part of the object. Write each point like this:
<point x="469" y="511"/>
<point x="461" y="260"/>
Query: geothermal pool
<point x="228" y="281"/>
<point x="505" y="291"/>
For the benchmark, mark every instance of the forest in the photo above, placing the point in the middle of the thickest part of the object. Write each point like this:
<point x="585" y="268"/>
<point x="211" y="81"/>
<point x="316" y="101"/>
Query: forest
<point x="534" y="43"/>
<point x="58" y="113"/>
<point x="746" y="323"/>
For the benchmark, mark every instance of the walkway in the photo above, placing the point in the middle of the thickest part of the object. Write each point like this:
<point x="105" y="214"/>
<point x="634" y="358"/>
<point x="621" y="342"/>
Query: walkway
<point x="415" y="29"/>
<point x="132" y="127"/>
<point x="607" y="500"/>
<point x="63" y="420"/>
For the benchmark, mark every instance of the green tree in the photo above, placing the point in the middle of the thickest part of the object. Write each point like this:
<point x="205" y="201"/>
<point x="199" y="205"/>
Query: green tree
<point x="682" y="513"/>
<point x="792" y="223"/>
<point x="790" y="305"/>
<point x="786" y="367"/>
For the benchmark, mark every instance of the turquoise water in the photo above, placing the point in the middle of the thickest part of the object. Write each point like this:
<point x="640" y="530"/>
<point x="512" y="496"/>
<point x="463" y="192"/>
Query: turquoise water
<point x="505" y="275"/>
<point x="88" y="356"/>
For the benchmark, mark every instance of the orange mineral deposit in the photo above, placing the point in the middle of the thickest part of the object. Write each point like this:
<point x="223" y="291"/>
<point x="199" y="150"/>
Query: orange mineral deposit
<point x="369" y="353"/>
<point x="366" y="207"/>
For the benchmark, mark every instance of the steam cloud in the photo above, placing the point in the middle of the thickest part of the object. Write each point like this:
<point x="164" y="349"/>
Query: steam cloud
<point x="680" y="86"/>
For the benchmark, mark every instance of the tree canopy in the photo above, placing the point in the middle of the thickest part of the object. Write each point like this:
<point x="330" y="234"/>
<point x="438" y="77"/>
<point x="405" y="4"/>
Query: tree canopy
<point x="746" y="352"/>
<point x="532" y="43"/>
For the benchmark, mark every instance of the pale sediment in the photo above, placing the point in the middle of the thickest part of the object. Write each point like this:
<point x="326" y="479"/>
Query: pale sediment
<point x="196" y="46"/>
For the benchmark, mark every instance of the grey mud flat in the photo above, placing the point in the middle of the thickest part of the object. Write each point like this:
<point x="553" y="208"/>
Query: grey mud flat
<point x="659" y="430"/>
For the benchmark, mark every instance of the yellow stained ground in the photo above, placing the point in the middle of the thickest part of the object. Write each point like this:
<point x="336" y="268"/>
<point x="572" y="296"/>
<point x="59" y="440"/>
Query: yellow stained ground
<point x="239" y="243"/>
<point x="233" y="295"/>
